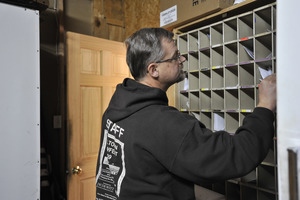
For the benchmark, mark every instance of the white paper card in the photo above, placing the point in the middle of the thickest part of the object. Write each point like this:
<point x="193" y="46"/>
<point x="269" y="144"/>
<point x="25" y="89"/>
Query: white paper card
<point x="238" y="1"/>
<point x="219" y="124"/>
<point x="168" y="16"/>
<point x="186" y="84"/>
<point x="250" y="53"/>
<point x="265" y="72"/>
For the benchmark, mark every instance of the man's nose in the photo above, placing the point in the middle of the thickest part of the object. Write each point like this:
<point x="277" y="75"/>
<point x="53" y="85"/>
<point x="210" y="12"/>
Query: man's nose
<point x="182" y="59"/>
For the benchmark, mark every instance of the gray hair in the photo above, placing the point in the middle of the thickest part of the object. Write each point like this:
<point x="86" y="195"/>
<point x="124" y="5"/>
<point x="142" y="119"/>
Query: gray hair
<point x="144" y="47"/>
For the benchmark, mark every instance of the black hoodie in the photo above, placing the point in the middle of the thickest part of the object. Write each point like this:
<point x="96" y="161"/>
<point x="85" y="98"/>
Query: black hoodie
<point x="151" y="151"/>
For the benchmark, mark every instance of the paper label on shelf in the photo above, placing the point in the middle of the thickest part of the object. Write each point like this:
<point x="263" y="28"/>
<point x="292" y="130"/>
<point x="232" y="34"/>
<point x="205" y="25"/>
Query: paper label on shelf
<point x="264" y="59"/>
<point x="203" y="49"/>
<point x="247" y="62"/>
<point x="216" y="67"/>
<point x="216" y="45"/>
<point x="232" y="111"/>
<point x="204" y="69"/>
<point x="168" y="16"/>
<point x="217" y="89"/>
<point x="247" y="86"/>
<point x="233" y="87"/>
<point x="230" y="65"/>
<point x="246" y="110"/>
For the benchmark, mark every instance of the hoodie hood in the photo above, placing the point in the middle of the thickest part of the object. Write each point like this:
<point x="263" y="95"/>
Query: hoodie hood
<point x="131" y="96"/>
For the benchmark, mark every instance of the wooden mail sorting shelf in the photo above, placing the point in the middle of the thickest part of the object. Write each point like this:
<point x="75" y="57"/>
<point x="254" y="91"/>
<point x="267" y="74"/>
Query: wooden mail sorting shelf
<point x="226" y="61"/>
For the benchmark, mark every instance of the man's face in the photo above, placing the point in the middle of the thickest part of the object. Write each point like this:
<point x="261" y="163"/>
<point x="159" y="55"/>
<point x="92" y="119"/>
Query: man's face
<point x="171" y="71"/>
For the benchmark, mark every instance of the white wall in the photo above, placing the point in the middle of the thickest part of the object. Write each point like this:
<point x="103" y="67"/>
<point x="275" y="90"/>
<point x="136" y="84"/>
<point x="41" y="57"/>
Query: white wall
<point x="19" y="103"/>
<point x="288" y="81"/>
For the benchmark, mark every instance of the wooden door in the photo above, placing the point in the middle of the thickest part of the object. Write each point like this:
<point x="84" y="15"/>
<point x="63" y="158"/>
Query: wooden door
<point x="94" y="67"/>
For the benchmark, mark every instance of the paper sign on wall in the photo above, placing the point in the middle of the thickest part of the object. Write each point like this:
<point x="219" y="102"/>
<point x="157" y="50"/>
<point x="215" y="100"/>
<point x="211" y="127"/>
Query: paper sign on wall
<point x="168" y="16"/>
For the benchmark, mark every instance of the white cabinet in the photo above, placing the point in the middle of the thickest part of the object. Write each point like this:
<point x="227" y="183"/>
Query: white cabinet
<point x="19" y="103"/>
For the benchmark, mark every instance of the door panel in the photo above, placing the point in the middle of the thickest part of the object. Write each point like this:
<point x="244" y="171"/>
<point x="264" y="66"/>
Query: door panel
<point x="90" y="120"/>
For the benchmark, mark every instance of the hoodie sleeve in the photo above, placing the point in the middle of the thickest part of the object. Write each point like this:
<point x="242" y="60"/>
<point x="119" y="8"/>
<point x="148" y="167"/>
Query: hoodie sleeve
<point x="205" y="156"/>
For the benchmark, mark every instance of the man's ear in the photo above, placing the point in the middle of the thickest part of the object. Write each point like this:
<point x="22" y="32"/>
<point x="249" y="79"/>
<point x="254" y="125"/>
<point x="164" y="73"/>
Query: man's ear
<point x="152" y="70"/>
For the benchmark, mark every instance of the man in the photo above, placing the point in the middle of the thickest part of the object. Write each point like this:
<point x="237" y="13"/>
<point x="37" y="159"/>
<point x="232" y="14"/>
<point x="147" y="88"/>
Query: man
<point x="151" y="151"/>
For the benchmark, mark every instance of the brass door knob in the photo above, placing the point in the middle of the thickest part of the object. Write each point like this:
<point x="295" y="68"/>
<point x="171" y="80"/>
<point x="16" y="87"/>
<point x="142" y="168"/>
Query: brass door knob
<point x="76" y="170"/>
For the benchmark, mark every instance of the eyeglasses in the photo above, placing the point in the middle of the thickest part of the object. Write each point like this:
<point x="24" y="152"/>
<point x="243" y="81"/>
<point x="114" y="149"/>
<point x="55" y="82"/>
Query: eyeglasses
<point x="176" y="57"/>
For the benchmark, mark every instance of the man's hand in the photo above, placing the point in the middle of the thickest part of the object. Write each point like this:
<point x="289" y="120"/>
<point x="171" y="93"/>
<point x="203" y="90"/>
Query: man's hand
<point x="267" y="93"/>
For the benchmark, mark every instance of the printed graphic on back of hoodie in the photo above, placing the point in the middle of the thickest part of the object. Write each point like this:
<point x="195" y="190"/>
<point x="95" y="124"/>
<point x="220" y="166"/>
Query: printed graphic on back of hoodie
<point x="111" y="164"/>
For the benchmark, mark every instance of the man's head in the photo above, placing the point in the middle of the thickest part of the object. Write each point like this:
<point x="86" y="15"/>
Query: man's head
<point x="152" y="52"/>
